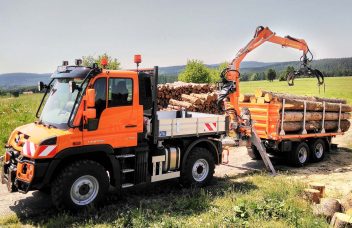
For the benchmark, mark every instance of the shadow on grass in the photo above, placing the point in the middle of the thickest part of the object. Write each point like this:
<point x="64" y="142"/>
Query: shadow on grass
<point x="146" y="203"/>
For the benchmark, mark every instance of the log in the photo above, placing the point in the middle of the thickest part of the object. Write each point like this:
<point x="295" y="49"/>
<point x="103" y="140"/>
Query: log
<point x="183" y="104"/>
<point x="346" y="202"/>
<point x="327" y="208"/>
<point x="291" y="104"/>
<point x="244" y="97"/>
<point x="298" y="116"/>
<point x="191" y="99"/>
<point x="253" y="100"/>
<point x="311" y="195"/>
<point x="340" y="220"/>
<point x="280" y="96"/>
<point x="260" y="100"/>
<point x="318" y="186"/>
<point x="316" y="125"/>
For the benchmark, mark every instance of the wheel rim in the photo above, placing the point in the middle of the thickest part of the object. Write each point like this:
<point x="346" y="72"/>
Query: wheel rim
<point x="302" y="155"/>
<point x="319" y="150"/>
<point x="200" y="170"/>
<point x="84" y="190"/>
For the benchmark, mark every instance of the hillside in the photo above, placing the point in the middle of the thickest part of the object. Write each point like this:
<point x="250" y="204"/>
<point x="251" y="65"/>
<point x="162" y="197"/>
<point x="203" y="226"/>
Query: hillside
<point x="330" y="67"/>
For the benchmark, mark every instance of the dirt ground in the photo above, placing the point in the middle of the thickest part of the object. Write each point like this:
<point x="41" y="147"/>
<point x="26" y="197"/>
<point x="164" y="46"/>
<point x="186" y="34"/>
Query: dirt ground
<point x="335" y="172"/>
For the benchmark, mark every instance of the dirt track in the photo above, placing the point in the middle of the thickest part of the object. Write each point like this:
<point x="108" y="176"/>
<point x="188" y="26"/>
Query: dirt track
<point x="335" y="171"/>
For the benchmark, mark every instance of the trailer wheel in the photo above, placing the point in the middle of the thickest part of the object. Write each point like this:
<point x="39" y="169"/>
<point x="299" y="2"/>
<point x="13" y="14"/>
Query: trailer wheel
<point x="79" y="185"/>
<point x="254" y="153"/>
<point x="199" y="168"/>
<point x="299" y="156"/>
<point x="317" y="150"/>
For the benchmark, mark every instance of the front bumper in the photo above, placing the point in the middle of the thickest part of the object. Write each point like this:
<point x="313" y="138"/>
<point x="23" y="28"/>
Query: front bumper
<point x="15" y="176"/>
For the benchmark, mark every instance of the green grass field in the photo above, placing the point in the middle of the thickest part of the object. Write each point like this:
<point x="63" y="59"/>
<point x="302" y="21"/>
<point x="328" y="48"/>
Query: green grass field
<point x="258" y="201"/>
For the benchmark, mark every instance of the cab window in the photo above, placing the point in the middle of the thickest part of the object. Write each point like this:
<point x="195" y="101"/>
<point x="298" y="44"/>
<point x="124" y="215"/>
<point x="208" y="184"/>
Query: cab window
<point x="120" y="92"/>
<point x="100" y="95"/>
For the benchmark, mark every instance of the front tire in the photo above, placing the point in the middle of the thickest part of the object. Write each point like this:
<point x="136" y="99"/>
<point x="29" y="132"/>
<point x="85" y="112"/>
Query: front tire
<point x="299" y="156"/>
<point x="317" y="150"/>
<point x="199" y="168"/>
<point x="80" y="185"/>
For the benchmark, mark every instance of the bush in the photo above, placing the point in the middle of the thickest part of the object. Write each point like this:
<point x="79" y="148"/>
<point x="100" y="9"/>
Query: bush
<point x="195" y="71"/>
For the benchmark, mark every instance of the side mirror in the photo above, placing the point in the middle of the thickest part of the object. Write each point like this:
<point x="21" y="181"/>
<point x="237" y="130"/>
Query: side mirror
<point x="72" y="86"/>
<point x="41" y="86"/>
<point x="90" y="98"/>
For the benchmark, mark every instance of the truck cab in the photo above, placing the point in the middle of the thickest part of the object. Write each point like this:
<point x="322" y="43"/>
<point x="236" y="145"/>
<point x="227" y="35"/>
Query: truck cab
<point x="99" y="127"/>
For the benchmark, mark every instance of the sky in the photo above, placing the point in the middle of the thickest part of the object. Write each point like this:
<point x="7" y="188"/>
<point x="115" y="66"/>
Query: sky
<point x="36" y="36"/>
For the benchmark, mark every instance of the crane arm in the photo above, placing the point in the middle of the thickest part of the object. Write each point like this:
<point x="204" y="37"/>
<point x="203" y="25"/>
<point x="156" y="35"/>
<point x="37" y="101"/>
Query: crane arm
<point x="231" y="75"/>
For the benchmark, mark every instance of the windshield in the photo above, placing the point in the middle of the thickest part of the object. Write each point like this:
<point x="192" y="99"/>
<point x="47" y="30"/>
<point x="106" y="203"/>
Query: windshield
<point x="59" y="104"/>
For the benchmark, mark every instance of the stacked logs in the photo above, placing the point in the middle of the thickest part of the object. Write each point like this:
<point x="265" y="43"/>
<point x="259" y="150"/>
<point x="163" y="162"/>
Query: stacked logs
<point x="294" y="114"/>
<point x="191" y="96"/>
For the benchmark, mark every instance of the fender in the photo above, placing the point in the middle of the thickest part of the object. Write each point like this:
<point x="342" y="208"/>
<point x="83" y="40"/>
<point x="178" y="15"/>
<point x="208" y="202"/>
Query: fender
<point x="106" y="150"/>
<point x="195" y="143"/>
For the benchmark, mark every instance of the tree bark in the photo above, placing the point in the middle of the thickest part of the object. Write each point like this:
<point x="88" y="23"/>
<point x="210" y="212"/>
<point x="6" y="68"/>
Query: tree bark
<point x="269" y="96"/>
<point x="292" y="116"/>
<point x="244" y="97"/>
<point x="191" y="99"/>
<point x="316" y="125"/>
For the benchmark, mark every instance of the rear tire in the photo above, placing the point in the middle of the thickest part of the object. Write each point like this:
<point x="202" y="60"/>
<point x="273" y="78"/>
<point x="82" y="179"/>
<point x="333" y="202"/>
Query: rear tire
<point x="299" y="156"/>
<point x="254" y="153"/>
<point x="80" y="185"/>
<point x="199" y="168"/>
<point x="317" y="150"/>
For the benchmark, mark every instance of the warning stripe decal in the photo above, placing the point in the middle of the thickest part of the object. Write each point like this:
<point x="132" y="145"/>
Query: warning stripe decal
<point x="210" y="127"/>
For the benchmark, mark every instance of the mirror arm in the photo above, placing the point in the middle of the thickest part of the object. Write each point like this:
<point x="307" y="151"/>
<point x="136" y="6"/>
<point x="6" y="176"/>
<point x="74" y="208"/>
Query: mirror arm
<point x="47" y="88"/>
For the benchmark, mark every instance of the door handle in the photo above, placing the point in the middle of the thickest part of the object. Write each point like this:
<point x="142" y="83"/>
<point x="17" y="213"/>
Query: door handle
<point x="130" y="126"/>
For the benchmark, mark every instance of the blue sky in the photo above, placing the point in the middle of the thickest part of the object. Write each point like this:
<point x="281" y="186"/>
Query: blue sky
<point x="35" y="36"/>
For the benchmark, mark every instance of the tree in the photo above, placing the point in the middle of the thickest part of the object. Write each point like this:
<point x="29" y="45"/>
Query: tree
<point x="195" y="71"/>
<point x="284" y="73"/>
<point x="271" y="75"/>
<point x="215" y="72"/>
<point x="113" y="63"/>
<point x="255" y="77"/>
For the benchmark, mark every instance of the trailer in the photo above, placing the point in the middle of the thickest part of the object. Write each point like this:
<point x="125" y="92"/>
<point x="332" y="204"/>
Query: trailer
<point x="299" y="147"/>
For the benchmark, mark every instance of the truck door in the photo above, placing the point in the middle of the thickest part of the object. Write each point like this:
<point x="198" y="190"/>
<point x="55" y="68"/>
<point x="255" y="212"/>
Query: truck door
<point x="117" y="119"/>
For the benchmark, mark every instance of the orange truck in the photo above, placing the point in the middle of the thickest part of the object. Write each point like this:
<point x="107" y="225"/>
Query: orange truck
<point x="101" y="127"/>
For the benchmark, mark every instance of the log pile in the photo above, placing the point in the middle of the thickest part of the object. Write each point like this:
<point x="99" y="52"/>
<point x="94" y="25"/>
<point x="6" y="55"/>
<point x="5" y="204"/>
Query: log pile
<point x="191" y="96"/>
<point x="294" y="111"/>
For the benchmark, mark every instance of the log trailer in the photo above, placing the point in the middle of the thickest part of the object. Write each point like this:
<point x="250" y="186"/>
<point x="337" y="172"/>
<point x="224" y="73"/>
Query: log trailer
<point x="268" y="118"/>
<point x="99" y="127"/>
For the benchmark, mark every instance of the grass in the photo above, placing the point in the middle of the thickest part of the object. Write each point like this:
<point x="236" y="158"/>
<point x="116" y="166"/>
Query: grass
<point x="336" y="87"/>
<point x="254" y="201"/>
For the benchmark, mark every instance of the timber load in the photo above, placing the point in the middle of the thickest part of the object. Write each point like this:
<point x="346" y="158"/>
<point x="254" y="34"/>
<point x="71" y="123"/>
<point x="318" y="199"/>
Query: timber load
<point x="190" y="96"/>
<point x="303" y="114"/>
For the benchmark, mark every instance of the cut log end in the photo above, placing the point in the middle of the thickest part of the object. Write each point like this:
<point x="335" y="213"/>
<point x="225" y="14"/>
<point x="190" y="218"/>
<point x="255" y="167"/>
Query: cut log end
<point x="341" y="220"/>
<point x="318" y="186"/>
<point x="312" y="195"/>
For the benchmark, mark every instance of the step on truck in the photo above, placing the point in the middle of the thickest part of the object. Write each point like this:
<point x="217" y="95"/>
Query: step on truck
<point x="99" y="127"/>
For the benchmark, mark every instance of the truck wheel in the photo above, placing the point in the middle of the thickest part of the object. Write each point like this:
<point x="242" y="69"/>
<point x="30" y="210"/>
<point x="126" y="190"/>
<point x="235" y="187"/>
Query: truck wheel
<point x="317" y="150"/>
<point x="81" y="184"/>
<point x="254" y="153"/>
<point x="299" y="155"/>
<point x="199" y="168"/>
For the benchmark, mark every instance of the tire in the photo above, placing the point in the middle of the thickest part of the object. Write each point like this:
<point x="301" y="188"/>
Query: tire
<point x="299" y="156"/>
<point x="80" y="185"/>
<point x="199" y="168"/>
<point x="254" y="153"/>
<point x="317" y="150"/>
